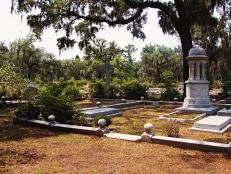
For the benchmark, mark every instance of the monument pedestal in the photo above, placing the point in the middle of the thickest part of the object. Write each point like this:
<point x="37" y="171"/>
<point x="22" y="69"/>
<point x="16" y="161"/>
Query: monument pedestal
<point x="197" y="97"/>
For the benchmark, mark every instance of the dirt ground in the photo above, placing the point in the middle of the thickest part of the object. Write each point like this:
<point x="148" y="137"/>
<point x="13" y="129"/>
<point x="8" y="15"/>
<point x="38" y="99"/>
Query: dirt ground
<point x="26" y="150"/>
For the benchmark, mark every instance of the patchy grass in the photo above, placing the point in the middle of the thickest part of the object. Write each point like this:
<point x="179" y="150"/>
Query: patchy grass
<point x="40" y="151"/>
<point x="134" y="118"/>
<point x="183" y="115"/>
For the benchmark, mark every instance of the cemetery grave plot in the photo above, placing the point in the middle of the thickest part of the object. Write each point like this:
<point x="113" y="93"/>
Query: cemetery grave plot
<point x="183" y="115"/>
<point x="92" y="103"/>
<point x="134" y="118"/>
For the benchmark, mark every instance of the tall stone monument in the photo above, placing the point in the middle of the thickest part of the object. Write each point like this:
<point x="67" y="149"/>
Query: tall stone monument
<point x="197" y="86"/>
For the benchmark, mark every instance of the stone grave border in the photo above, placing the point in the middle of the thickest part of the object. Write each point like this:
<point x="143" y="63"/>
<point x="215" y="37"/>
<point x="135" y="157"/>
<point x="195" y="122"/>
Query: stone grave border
<point x="169" y="141"/>
<point x="182" y="120"/>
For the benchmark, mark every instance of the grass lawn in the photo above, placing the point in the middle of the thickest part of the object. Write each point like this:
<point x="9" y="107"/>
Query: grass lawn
<point x="26" y="150"/>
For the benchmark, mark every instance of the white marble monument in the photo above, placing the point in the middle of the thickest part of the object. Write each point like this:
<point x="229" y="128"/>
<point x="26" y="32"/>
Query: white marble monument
<point x="197" y="86"/>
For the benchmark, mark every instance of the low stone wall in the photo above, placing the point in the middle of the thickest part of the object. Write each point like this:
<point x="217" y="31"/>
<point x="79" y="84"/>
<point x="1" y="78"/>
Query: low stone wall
<point x="192" y="144"/>
<point x="59" y="127"/>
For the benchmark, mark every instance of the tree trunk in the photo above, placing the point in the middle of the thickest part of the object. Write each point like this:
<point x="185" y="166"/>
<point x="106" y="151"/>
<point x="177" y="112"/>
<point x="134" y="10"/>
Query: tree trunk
<point x="186" y="44"/>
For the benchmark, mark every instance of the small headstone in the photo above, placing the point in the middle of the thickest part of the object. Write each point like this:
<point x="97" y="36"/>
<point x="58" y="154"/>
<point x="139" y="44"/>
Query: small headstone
<point x="142" y="98"/>
<point x="147" y="135"/>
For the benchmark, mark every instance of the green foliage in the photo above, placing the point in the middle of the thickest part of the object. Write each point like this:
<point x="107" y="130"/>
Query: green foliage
<point x="133" y="90"/>
<point x="98" y="89"/>
<point x="227" y="87"/>
<point x="216" y="84"/>
<point x="46" y="105"/>
<point x="71" y="92"/>
<point x="108" y="120"/>
<point x="61" y="107"/>
<point x="30" y="111"/>
<point x="171" y="130"/>
<point x="170" y="94"/>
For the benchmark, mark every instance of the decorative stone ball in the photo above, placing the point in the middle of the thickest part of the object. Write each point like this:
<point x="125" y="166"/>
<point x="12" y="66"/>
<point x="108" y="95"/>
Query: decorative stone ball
<point x="51" y="118"/>
<point x="213" y="100"/>
<point x="98" y="103"/>
<point x="123" y="100"/>
<point x="102" y="123"/>
<point x="175" y="99"/>
<point x="142" y="98"/>
<point x="148" y="127"/>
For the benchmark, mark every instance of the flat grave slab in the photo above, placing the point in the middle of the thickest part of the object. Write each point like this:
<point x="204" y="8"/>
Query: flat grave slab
<point x="224" y="112"/>
<point x="214" y="124"/>
<point x="101" y="111"/>
<point x="120" y="136"/>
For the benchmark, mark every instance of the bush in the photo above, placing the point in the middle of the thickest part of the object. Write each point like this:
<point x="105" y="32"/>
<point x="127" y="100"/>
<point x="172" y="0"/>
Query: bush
<point x="227" y="87"/>
<point x="52" y="88"/>
<point x="98" y="89"/>
<point x="30" y="111"/>
<point x="170" y="94"/>
<point x="108" y="120"/>
<point x="133" y="90"/>
<point x="171" y="130"/>
<point x="71" y="92"/>
<point x="46" y="105"/>
<point x="61" y="107"/>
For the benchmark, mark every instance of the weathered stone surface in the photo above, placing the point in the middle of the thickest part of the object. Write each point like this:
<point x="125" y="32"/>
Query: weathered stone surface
<point x="224" y="112"/>
<point x="213" y="124"/>
<point x="101" y="111"/>
<point x="192" y="144"/>
<point x="120" y="136"/>
<point x="146" y="137"/>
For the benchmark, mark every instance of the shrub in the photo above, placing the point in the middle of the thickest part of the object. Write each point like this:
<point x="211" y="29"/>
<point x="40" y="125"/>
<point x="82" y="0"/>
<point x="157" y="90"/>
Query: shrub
<point x="52" y="88"/>
<point x="227" y="87"/>
<point x="61" y="107"/>
<point x="216" y="84"/>
<point x="170" y="94"/>
<point x="133" y="90"/>
<point x="30" y="111"/>
<point x="71" y="92"/>
<point x="98" y="89"/>
<point x="171" y="130"/>
<point x="108" y="120"/>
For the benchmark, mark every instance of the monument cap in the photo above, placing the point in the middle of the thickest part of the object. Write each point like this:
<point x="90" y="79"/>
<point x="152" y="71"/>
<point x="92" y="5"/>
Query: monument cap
<point x="197" y="51"/>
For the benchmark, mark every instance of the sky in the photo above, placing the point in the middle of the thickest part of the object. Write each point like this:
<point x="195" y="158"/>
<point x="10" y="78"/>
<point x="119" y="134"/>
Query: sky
<point x="14" y="27"/>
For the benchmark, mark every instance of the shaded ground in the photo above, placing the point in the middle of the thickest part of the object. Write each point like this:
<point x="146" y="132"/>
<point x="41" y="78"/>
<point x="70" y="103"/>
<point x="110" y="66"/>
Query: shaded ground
<point x="134" y="118"/>
<point x="25" y="150"/>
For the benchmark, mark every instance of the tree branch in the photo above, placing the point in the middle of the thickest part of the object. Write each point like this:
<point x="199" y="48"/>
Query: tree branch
<point x="155" y="4"/>
<point x="100" y="19"/>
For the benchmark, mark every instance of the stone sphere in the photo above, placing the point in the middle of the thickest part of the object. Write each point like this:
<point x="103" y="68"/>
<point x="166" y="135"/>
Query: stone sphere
<point x="197" y="51"/>
<point x="123" y="100"/>
<point x="148" y="127"/>
<point x="51" y="118"/>
<point x="98" y="103"/>
<point x="102" y="123"/>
